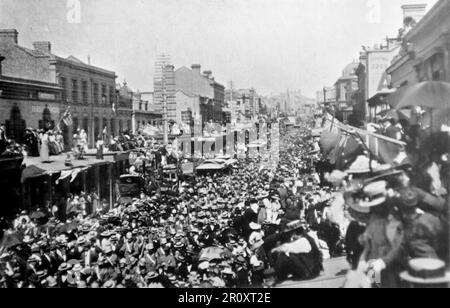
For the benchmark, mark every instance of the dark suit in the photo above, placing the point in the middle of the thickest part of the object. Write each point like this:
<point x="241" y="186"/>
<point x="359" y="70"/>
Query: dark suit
<point x="2" y="141"/>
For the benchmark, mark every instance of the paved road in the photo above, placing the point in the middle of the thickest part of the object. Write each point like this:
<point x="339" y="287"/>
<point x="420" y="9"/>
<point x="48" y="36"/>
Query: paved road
<point x="332" y="277"/>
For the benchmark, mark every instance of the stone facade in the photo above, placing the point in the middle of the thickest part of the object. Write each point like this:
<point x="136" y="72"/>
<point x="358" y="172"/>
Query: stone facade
<point x="88" y="90"/>
<point x="211" y="93"/>
<point x="144" y="111"/>
<point x="425" y="52"/>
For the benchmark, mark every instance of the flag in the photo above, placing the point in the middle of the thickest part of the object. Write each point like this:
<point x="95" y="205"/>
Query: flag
<point x="67" y="119"/>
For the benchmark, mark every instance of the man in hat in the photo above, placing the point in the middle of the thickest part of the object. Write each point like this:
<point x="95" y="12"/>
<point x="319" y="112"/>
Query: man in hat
<point x="298" y="256"/>
<point x="423" y="231"/>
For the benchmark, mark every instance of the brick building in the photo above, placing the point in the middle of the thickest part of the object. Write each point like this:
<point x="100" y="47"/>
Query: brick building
<point x="88" y="90"/>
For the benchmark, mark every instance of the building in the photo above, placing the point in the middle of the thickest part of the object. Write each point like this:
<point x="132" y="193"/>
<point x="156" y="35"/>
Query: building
<point x="89" y="91"/>
<point x="345" y="87"/>
<point x="210" y="93"/>
<point x="124" y="107"/>
<point x="425" y="50"/>
<point x="243" y="104"/>
<point x="28" y="103"/>
<point x="372" y="78"/>
<point x="144" y="111"/>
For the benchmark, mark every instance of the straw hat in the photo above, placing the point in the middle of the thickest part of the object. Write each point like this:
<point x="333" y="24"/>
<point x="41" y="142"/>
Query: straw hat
<point x="426" y="272"/>
<point x="375" y="194"/>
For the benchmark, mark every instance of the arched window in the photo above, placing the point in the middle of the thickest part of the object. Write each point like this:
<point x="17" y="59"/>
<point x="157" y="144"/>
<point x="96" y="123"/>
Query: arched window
<point x="46" y="123"/>
<point x="96" y="127"/>
<point x="105" y="124"/>
<point x="113" y="127"/>
<point x="75" y="124"/>
<point x="120" y="126"/>
<point x="86" y="124"/>
<point x="15" y="126"/>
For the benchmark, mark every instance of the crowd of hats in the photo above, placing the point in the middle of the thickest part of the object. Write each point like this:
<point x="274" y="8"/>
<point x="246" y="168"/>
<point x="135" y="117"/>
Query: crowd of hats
<point x="188" y="240"/>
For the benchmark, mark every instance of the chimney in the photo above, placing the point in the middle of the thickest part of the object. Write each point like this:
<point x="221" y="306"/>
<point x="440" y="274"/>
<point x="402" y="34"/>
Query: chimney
<point x="414" y="11"/>
<point x="207" y="74"/>
<point x="196" y="68"/>
<point x="45" y="47"/>
<point x="9" y="36"/>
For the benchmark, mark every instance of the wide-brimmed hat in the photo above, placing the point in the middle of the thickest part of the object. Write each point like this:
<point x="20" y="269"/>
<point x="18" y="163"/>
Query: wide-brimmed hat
<point x="374" y="194"/>
<point x="64" y="267"/>
<point x="110" y="284"/>
<point x="152" y="275"/>
<point x="294" y="225"/>
<point x="33" y="258"/>
<point x="254" y="226"/>
<point x="81" y="240"/>
<point x="426" y="272"/>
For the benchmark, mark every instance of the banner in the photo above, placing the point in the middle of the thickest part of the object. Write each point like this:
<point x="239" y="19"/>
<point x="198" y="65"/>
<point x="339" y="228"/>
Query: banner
<point x="384" y="148"/>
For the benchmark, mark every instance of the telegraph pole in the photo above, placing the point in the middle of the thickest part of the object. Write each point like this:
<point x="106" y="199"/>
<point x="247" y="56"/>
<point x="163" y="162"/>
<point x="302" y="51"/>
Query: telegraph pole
<point x="160" y="77"/>
<point x="164" y="103"/>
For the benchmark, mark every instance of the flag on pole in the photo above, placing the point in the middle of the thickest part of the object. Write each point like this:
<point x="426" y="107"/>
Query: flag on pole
<point x="67" y="119"/>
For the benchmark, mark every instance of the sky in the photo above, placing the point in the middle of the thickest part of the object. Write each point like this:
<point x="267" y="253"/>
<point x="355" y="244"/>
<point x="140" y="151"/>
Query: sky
<point x="271" y="45"/>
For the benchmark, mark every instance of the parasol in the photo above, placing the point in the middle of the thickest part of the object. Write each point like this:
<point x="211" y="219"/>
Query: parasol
<point x="428" y="94"/>
<point x="68" y="227"/>
<point x="37" y="215"/>
<point x="211" y="253"/>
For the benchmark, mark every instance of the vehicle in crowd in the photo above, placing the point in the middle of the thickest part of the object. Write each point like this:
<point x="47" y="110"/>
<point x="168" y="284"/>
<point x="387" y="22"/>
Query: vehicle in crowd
<point x="129" y="187"/>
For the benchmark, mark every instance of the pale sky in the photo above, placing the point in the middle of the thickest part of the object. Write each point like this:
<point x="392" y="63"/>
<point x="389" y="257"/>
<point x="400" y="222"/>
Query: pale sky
<point x="271" y="45"/>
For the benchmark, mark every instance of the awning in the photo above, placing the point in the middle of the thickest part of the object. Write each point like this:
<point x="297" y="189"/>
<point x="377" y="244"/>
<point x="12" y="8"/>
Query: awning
<point x="210" y="167"/>
<point x="380" y="98"/>
<point x="36" y="168"/>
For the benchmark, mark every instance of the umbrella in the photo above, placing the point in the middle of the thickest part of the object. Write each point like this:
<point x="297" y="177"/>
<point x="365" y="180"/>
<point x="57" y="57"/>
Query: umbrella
<point x="10" y="240"/>
<point x="428" y="94"/>
<point x="211" y="253"/>
<point x="68" y="227"/>
<point x="37" y="215"/>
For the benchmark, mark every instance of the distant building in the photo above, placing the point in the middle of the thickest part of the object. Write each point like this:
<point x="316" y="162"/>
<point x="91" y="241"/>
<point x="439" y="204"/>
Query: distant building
<point x="88" y="90"/>
<point x="345" y="87"/>
<point x="210" y="94"/>
<point x="144" y="111"/>
<point x="425" y="50"/>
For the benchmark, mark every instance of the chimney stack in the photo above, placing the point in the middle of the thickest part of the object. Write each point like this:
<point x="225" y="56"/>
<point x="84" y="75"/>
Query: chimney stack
<point x="414" y="11"/>
<point x="196" y="68"/>
<point x="45" y="47"/>
<point x="207" y="74"/>
<point x="9" y="36"/>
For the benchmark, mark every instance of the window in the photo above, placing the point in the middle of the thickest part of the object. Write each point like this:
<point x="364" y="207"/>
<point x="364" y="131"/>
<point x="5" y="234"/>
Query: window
<point x="86" y="124"/>
<point x="140" y="105"/>
<point x="113" y="127"/>
<point x="63" y="84"/>
<point x="75" y="97"/>
<point x="129" y="125"/>
<point x="111" y="95"/>
<point x="104" y="95"/>
<point x="146" y="107"/>
<point x="120" y="126"/>
<point x="75" y="124"/>
<point x="84" y="92"/>
<point x="95" y="93"/>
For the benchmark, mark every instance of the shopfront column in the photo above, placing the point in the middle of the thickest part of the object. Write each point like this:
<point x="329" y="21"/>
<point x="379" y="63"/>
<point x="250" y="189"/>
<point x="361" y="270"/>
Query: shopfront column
<point x="447" y="59"/>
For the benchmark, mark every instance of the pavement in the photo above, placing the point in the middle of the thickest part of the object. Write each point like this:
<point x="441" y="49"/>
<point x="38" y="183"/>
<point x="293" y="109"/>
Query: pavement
<point x="332" y="277"/>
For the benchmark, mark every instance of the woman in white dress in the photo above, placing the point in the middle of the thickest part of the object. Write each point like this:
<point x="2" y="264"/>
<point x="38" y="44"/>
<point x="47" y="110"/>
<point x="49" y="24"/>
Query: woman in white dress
<point x="44" y="152"/>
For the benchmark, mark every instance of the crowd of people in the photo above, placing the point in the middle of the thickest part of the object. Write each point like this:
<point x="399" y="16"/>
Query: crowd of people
<point x="36" y="143"/>
<point x="252" y="228"/>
